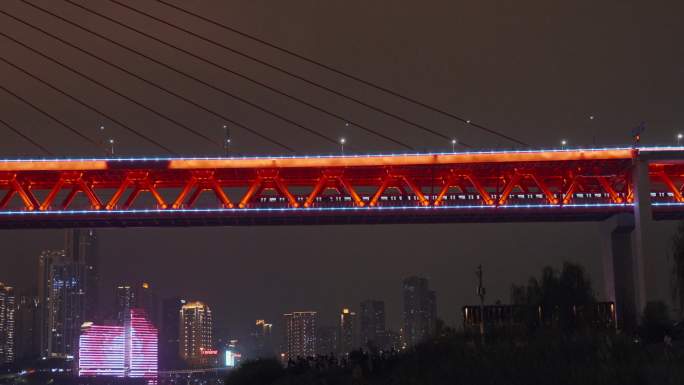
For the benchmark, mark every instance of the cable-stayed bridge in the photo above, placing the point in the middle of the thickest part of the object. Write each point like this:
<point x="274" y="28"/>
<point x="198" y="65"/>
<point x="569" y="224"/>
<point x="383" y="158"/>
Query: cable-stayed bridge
<point x="623" y="188"/>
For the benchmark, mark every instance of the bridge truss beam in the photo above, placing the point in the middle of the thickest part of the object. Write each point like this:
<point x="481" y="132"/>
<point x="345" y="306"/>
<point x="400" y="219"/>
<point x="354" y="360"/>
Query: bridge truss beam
<point x="522" y="186"/>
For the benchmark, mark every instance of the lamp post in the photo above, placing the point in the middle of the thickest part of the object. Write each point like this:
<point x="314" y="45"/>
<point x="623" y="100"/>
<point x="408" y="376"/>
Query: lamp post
<point x="563" y="144"/>
<point x="453" y="145"/>
<point x="107" y="143"/>
<point x="226" y="140"/>
<point x="342" y="139"/>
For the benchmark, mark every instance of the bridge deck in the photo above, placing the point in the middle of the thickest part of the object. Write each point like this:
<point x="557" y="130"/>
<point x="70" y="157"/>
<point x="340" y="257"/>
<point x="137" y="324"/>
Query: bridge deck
<point x="557" y="185"/>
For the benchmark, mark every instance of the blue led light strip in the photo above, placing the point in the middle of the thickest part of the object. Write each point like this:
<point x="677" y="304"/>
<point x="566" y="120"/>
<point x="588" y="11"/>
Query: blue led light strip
<point x="316" y="209"/>
<point x="668" y="204"/>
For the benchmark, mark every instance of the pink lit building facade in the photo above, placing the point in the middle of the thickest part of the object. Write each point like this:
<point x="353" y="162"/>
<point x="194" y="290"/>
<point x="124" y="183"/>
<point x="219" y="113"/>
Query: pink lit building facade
<point x="119" y="351"/>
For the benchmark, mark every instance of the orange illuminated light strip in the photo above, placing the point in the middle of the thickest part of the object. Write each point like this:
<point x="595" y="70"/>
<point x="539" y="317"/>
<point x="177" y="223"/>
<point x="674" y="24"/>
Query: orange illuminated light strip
<point x="401" y="160"/>
<point x="340" y="161"/>
<point x="54" y="165"/>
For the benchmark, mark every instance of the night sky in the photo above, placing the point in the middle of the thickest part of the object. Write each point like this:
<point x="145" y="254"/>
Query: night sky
<point x="535" y="70"/>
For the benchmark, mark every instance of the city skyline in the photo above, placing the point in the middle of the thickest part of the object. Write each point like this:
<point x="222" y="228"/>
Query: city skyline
<point x="418" y="316"/>
<point x="328" y="309"/>
<point x="127" y="295"/>
<point x="59" y="266"/>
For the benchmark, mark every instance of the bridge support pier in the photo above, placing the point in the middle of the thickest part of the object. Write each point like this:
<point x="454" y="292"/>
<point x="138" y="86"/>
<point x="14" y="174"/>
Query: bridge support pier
<point x="618" y="268"/>
<point x="628" y="264"/>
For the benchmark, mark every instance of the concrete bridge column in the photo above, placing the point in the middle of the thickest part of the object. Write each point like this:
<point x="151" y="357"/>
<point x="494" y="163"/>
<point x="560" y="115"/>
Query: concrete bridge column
<point x="628" y="264"/>
<point x="645" y="243"/>
<point x="618" y="268"/>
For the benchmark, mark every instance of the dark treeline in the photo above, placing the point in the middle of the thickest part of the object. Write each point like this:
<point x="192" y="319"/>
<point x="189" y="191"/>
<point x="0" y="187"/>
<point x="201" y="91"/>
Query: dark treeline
<point x="557" y="294"/>
<point x="566" y="353"/>
<point x="547" y="359"/>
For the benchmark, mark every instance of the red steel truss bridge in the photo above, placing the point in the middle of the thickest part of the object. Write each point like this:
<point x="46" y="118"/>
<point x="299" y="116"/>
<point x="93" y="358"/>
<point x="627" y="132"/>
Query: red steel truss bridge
<point x="488" y="186"/>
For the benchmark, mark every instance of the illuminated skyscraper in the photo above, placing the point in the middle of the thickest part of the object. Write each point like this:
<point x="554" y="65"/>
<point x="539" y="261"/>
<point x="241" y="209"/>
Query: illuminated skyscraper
<point x="7" y="307"/>
<point x="124" y="301"/>
<point x="347" y="331"/>
<point x="263" y="340"/>
<point x="300" y="334"/>
<point x="68" y="292"/>
<point x="143" y="345"/>
<point x="195" y="332"/>
<point x="102" y="351"/>
<point x="372" y="323"/>
<point x="46" y="260"/>
<point x="121" y="351"/>
<point x="262" y="328"/>
<point x="420" y="310"/>
<point x="82" y="248"/>
<point x="66" y="307"/>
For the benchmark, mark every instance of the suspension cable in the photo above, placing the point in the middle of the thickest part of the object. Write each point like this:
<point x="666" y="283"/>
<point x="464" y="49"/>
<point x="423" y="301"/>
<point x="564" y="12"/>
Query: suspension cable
<point x="50" y="116"/>
<point x="84" y="104"/>
<point x="233" y="72"/>
<point x="279" y="69"/>
<point x="26" y="137"/>
<point x="131" y="100"/>
<point x="142" y="79"/>
<point x="342" y="73"/>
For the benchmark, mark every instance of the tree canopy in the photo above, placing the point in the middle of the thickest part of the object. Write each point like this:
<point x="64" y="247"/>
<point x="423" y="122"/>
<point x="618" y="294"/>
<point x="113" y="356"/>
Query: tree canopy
<point x="556" y="293"/>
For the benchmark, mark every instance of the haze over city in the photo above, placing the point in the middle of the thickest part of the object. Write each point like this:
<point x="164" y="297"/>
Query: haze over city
<point x="489" y="75"/>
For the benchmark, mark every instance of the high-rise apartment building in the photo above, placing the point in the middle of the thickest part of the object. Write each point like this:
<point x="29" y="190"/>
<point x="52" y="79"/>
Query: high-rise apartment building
<point x="420" y="310"/>
<point x="372" y="320"/>
<point x="195" y="332"/>
<point x="169" y="335"/>
<point x="68" y="292"/>
<point x="347" y="331"/>
<point x="300" y="334"/>
<point x="82" y="248"/>
<point x="7" y="308"/>
<point x="45" y="261"/>
<point x="27" y="325"/>
<point x="124" y="301"/>
<point x="263" y="339"/>
<point x="67" y="307"/>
